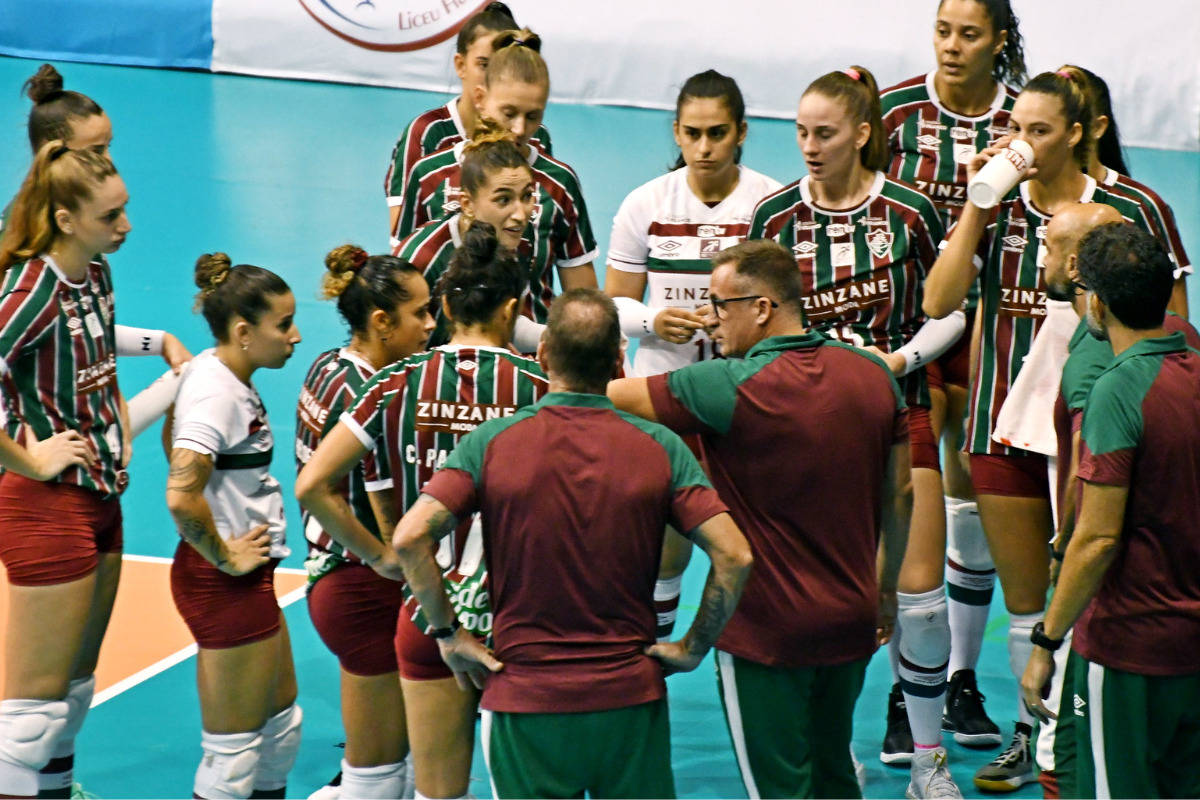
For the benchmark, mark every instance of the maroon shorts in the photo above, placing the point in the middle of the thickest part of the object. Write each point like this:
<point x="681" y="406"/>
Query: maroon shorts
<point x="921" y="443"/>
<point x="1010" y="476"/>
<point x="417" y="654"/>
<point x="223" y="610"/>
<point x="954" y="365"/>
<point x="53" y="532"/>
<point x="354" y="610"/>
<point x="933" y="376"/>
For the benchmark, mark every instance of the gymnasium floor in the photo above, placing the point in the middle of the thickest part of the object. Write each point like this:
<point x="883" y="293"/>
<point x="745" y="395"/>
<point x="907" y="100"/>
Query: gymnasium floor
<point x="276" y="173"/>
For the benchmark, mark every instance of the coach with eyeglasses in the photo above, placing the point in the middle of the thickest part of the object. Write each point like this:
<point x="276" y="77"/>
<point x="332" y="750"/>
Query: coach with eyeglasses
<point x="806" y="441"/>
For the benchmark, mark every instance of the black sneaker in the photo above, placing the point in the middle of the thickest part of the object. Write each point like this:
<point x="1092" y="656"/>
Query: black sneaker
<point x="1013" y="768"/>
<point x="964" y="715"/>
<point x="897" y="747"/>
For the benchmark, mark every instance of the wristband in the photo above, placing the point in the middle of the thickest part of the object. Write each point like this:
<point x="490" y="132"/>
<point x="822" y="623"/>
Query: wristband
<point x="446" y="633"/>
<point x="637" y="318"/>
<point x="1040" y="639"/>
<point x="138" y="341"/>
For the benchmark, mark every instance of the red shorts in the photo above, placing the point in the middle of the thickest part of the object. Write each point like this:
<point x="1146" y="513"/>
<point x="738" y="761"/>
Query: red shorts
<point x="224" y="610"/>
<point x="53" y="532"/>
<point x="1010" y="476"/>
<point x="417" y="653"/>
<point x="933" y="377"/>
<point x="954" y="365"/>
<point x="921" y="443"/>
<point x="354" y="610"/>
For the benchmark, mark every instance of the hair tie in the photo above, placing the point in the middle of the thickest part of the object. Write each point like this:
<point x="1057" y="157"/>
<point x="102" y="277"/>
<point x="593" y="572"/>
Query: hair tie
<point x="464" y="289"/>
<point x="853" y="73"/>
<point x="358" y="258"/>
<point x="1062" y="73"/>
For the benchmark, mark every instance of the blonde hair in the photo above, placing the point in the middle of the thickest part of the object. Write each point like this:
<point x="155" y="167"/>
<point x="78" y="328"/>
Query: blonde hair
<point x="517" y="56"/>
<point x="492" y="148"/>
<point x="857" y="90"/>
<point x="342" y="263"/>
<point x="59" y="178"/>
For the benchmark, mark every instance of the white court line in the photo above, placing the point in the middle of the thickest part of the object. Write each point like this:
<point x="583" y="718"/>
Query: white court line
<point x="179" y="656"/>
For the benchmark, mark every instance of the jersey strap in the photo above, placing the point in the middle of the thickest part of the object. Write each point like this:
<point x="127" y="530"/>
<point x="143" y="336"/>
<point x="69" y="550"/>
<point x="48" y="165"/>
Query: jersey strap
<point x="228" y="461"/>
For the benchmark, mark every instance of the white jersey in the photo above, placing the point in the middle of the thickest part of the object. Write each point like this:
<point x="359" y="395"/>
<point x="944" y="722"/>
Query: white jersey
<point x="662" y="229"/>
<point x="218" y="415"/>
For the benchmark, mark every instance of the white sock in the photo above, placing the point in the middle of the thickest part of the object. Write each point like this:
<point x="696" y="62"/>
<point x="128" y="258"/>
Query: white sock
<point x="1019" y="651"/>
<point x="924" y="651"/>
<point x="894" y="653"/>
<point x="385" y="782"/>
<point x="666" y="605"/>
<point x="970" y="583"/>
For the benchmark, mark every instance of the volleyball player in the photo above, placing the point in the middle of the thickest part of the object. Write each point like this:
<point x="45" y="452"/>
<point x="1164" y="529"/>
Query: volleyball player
<point x="229" y="513"/>
<point x="497" y="188"/>
<point x="863" y="242"/>
<point x="664" y="235"/>
<point x="411" y="415"/>
<point x="353" y="597"/>
<point x="446" y="126"/>
<point x="936" y="123"/>
<point x="514" y="94"/>
<point x="1004" y="248"/>
<point x="60" y="513"/>
<point x="1107" y="166"/>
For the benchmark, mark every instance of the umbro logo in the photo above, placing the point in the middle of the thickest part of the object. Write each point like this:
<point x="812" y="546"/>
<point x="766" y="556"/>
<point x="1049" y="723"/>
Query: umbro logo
<point x="670" y="245"/>
<point x="1014" y="241"/>
<point x="928" y="140"/>
<point x="805" y="249"/>
<point x="1079" y="703"/>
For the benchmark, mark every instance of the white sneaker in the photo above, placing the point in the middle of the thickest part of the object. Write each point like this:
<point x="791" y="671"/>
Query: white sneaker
<point x="931" y="777"/>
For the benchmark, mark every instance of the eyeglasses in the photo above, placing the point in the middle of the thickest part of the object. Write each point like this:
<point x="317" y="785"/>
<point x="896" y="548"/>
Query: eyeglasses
<point x="719" y="304"/>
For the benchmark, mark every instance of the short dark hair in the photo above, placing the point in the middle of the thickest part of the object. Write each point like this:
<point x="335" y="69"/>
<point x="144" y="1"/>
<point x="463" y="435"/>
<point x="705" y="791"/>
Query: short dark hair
<point x="583" y="339"/>
<point x="1130" y="271"/>
<point x="770" y="263"/>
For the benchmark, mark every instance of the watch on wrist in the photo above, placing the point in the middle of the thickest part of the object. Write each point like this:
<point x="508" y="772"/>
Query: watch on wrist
<point x="1040" y="639"/>
<point x="447" y="632"/>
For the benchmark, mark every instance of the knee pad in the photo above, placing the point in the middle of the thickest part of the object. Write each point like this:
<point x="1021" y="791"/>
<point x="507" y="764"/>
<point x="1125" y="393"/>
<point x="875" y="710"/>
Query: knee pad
<point x="79" y="698"/>
<point x="29" y="729"/>
<point x="227" y="768"/>
<point x="926" y="626"/>
<point x="384" y="782"/>
<point x="281" y="745"/>
<point x="965" y="543"/>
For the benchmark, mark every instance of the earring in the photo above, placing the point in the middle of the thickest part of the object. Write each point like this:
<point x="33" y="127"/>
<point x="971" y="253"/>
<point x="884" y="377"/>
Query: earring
<point x="244" y="347"/>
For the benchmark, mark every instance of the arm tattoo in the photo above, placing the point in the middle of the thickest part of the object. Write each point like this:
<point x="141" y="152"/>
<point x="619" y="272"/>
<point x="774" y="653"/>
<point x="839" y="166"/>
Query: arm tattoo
<point x="189" y="471"/>
<point x="716" y="607"/>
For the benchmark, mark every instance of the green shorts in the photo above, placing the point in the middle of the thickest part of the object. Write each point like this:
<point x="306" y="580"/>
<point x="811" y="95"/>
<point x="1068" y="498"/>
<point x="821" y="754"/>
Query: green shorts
<point x="791" y="728"/>
<point x="624" y="752"/>
<point x="1126" y="735"/>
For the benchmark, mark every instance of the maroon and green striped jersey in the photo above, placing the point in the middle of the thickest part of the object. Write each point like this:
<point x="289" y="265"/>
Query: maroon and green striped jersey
<point x="559" y="234"/>
<point x="429" y="248"/>
<point x="58" y="347"/>
<point x="413" y="414"/>
<point x="332" y="383"/>
<point x="574" y="497"/>
<point x="932" y="145"/>
<point x="436" y="129"/>
<point x="1161" y="217"/>
<point x="1013" y="301"/>
<point x="799" y="417"/>
<point x="864" y="269"/>
<point x="1139" y="433"/>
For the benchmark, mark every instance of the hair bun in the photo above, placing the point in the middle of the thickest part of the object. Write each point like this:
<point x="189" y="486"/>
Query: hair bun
<point x="343" y="263"/>
<point x="45" y="84"/>
<point x="211" y="269"/>
<point x="480" y="242"/>
<point x="497" y="6"/>
<point x="521" y="38"/>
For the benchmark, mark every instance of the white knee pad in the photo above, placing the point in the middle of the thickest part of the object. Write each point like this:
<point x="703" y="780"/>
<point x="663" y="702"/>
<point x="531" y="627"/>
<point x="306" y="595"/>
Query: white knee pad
<point x="965" y="543"/>
<point x="79" y="698"/>
<point x="281" y="745"/>
<point x="384" y="782"/>
<point x="228" y="765"/>
<point x="29" y="729"/>
<point x="923" y="618"/>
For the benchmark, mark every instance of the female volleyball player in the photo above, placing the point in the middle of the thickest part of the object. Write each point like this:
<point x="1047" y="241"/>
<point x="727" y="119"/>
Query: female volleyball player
<point x="229" y="512"/>
<point x="411" y="415"/>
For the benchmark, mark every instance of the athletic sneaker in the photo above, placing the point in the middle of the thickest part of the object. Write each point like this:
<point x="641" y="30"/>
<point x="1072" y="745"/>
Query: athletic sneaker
<point x="897" y="747"/>
<point x="330" y="791"/>
<point x="1013" y="768"/>
<point x="965" y="716"/>
<point x="931" y="777"/>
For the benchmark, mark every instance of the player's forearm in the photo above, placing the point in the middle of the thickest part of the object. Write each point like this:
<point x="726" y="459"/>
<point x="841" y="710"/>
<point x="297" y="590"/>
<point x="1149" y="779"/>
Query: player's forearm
<point x="195" y="524"/>
<point x="722" y="591"/>
<point x="952" y="274"/>
<point x="338" y="520"/>
<point x="415" y="540"/>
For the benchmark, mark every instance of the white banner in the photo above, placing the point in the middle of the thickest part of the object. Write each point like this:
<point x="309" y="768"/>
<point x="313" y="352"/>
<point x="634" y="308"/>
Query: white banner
<point x="638" y="52"/>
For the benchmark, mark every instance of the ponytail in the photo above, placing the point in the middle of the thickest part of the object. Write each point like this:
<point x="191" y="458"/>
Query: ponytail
<point x="858" y="92"/>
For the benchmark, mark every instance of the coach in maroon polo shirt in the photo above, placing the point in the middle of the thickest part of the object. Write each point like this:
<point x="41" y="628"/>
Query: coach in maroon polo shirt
<point x="574" y="497"/>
